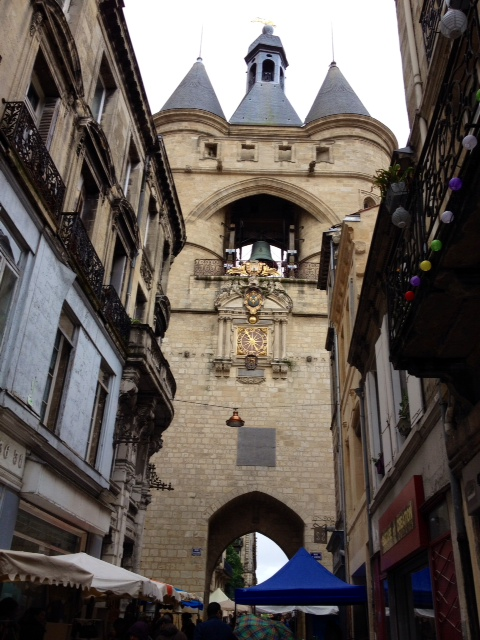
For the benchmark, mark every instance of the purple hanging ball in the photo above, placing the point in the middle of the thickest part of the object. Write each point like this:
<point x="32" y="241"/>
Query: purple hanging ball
<point x="415" y="281"/>
<point x="455" y="184"/>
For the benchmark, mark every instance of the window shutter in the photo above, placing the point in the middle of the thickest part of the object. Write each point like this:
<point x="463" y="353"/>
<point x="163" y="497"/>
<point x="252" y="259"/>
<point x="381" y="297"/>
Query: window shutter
<point x="48" y="120"/>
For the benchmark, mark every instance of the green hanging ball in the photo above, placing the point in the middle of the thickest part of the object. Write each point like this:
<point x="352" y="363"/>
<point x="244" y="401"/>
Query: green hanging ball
<point x="425" y="265"/>
<point x="477" y="95"/>
<point x="436" y="245"/>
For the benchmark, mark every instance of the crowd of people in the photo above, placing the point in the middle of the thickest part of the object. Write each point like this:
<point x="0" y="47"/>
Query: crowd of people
<point x="32" y="625"/>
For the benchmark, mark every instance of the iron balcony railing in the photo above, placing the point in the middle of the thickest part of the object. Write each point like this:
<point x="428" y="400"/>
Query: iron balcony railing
<point x="430" y="20"/>
<point x="19" y="128"/>
<point x="215" y="267"/>
<point x="443" y="157"/>
<point x="80" y="248"/>
<point x="115" y="313"/>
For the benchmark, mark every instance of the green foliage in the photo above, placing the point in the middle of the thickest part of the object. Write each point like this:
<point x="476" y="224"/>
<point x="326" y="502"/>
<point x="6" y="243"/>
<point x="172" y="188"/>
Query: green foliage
<point x="237" y="581"/>
<point x="383" y="178"/>
<point x="404" y="407"/>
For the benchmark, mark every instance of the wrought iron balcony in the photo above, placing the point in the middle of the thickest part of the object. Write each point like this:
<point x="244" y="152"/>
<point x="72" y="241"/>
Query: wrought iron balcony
<point x="432" y="332"/>
<point x="430" y="19"/>
<point x="115" y="313"/>
<point x="19" y="128"/>
<point x="88" y="265"/>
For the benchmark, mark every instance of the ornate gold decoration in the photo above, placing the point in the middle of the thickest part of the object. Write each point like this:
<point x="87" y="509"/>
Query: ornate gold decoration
<point x="252" y="341"/>
<point x="253" y="300"/>
<point x="254" y="268"/>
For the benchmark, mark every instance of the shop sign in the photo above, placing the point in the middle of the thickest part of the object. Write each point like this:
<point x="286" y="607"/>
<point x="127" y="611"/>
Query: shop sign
<point x="403" y="524"/>
<point x="197" y="552"/>
<point x="402" y="530"/>
<point x="12" y="455"/>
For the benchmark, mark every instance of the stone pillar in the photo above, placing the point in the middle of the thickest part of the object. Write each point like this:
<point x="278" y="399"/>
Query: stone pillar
<point x="228" y="337"/>
<point x="276" y="338"/>
<point x="283" y="324"/>
<point x="220" y="337"/>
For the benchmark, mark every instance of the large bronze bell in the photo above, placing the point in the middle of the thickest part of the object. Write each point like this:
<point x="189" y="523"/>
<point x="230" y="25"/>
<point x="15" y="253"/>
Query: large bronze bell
<point x="261" y="252"/>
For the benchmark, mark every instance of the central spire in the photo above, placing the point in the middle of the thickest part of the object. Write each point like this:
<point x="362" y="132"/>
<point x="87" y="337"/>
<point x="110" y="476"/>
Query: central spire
<point x="265" y="102"/>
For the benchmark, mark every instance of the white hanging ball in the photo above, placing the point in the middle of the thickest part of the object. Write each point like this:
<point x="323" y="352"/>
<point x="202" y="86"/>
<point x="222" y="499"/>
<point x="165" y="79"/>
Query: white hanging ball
<point x="401" y="218"/>
<point x="447" y="217"/>
<point x="453" y="24"/>
<point x="469" y="142"/>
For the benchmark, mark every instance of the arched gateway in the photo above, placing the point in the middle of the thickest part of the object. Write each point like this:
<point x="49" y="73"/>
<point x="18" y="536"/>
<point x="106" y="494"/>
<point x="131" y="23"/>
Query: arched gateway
<point x="252" y="335"/>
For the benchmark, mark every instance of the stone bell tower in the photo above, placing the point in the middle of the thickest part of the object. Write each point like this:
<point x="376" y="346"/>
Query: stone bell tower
<point x="248" y="332"/>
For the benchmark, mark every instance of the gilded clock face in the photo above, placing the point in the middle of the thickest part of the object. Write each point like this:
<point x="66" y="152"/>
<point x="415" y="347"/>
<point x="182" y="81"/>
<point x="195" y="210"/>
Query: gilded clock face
<point x="252" y="340"/>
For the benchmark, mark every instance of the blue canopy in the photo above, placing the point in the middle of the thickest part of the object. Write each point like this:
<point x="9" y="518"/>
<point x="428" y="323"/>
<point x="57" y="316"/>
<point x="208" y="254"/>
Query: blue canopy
<point x="302" y="581"/>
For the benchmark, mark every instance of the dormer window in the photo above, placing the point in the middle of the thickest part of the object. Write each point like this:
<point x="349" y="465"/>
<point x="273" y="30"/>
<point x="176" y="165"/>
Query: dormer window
<point x="268" y="71"/>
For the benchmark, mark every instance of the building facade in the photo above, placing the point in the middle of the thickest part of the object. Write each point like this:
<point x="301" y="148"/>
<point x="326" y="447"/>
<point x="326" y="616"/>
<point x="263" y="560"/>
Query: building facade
<point x="415" y="346"/>
<point x="248" y="327"/>
<point x="89" y="225"/>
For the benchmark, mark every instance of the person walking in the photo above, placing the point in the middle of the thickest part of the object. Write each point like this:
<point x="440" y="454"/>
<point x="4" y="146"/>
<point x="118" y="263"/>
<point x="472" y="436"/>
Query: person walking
<point x="188" y="627"/>
<point x="214" y="628"/>
<point x="167" y="630"/>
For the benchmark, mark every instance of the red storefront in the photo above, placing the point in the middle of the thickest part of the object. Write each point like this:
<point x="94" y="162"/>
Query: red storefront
<point x="415" y="582"/>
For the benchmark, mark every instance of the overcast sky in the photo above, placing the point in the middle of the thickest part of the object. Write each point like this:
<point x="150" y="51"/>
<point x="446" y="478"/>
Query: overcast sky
<point x="167" y="37"/>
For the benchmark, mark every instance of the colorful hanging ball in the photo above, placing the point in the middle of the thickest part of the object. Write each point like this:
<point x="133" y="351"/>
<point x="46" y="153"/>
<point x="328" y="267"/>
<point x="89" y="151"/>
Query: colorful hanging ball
<point x="455" y="184"/>
<point x="425" y="265"/>
<point x="415" y="281"/>
<point x="469" y="142"/>
<point x="410" y="296"/>
<point x="477" y="95"/>
<point x="436" y="245"/>
<point x="447" y="217"/>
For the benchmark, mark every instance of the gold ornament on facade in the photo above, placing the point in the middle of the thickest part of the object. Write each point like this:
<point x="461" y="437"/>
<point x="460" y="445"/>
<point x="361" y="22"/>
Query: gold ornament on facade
<point x="254" y="268"/>
<point x="254" y="301"/>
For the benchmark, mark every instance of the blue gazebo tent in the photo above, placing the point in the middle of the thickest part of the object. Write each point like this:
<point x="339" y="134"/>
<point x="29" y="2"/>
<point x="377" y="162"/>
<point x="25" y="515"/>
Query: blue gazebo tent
<point x="302" y="581"/>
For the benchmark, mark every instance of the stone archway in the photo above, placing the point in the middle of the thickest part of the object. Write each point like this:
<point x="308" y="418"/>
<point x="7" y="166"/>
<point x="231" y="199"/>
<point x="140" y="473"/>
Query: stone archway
<point x="249" y="512"/>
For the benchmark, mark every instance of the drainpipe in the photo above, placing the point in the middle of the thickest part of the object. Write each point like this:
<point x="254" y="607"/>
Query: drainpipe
<point x="360" y="391"/>
<point x="462" y="537"/>
<point x="417" y="78"/>
<point x="343" y="501"/>
<point x="139" y="221"/>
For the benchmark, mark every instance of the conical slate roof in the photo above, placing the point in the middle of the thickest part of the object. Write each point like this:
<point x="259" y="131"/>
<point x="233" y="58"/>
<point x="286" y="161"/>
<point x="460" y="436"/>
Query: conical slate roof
<point x="195" y="92"/>
<point x="335" y="97"/>
<point x="266" y="104"/>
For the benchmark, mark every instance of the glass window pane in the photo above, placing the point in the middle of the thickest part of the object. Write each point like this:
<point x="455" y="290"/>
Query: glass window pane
<point x="59" y="383"/>
<point x="7" y="287"/>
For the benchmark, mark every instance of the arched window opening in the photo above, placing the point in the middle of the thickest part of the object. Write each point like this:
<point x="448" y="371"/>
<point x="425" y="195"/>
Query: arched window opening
<point x="268" y="71"/>
<point x="252" y="75"/>
<point x="368" y="202"/>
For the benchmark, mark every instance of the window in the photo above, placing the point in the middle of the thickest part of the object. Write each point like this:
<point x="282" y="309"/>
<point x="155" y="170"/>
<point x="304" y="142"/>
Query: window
<point x="57" y="372"/>
<point x="284" y="153"/>
<point x="10" y="255"/>
<point x="119" y="265"/>
<point x="43" y="99"/>
<point x="368" y="203"/>
<point x="132" y="173"/>
<point x="248" y="152"/>
<point x="211" y="150"/>
<point x="252" y="75"/>
<point x="98" y="414"/>
<point x="322" y="154"/>
<point x="104" y="89"/>
<point x="268" y="71"/>
<point x="140" y="306"/>
<point x="88" y="197"/>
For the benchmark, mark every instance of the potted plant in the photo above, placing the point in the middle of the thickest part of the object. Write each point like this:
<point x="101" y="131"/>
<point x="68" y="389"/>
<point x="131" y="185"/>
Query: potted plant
<point x="404" y="423"/>
<point x="393" y="185"/>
